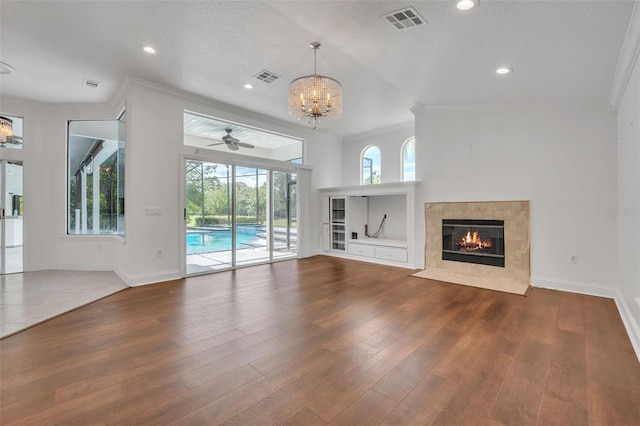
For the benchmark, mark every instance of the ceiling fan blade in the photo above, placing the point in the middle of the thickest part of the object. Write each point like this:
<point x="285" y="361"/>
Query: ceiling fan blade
<point x="213" y="139"/>
<point x="245" y="145"/>
<point x="233" y="147"/>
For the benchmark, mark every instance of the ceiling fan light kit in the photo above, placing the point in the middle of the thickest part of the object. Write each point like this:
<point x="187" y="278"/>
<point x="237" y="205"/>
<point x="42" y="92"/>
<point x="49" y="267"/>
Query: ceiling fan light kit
<point x="315" y="97"/>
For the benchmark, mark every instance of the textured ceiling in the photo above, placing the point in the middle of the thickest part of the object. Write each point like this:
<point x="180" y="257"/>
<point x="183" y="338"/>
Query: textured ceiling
<point x="561" y="51"/>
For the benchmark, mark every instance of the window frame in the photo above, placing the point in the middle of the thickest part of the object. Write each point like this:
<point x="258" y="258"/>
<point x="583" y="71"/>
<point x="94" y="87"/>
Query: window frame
<point x="362" y="166"/>
<point x="118" y="205"/>
<point x="402" y="159"/>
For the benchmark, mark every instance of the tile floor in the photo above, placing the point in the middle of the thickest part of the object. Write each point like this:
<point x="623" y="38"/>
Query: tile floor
<point x="29" y="298"/>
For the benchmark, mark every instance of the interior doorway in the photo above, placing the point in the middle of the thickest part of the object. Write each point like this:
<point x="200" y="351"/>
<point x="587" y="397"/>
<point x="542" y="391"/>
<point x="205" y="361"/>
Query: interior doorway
<point x="11" y="217"/>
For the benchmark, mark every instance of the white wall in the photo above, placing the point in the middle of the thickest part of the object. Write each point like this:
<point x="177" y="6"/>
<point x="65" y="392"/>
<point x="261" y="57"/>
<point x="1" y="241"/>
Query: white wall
<point x="389" y="140"/>
<point x="626" y="216"/>
<point x="46" y="245"/>
<point x="395" y="207"/>
<point x="562" y="158"/>
<point x="154" y="145"/>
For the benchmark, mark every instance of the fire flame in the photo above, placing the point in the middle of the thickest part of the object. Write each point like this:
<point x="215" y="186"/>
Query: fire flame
<point x="473" y="242"/>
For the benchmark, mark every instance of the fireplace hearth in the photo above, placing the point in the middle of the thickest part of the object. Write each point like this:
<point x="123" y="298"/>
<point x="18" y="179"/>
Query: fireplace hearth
<point x="473" y="241"/>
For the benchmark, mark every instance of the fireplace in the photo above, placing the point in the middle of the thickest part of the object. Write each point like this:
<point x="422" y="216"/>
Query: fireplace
<point x="473" y="241"/>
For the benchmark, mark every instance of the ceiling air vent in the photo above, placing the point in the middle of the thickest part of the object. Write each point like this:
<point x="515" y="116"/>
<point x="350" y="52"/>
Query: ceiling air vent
<point x="266" y="76"/>
<point x="405" y="19"/>
<point x="90" y="83"/>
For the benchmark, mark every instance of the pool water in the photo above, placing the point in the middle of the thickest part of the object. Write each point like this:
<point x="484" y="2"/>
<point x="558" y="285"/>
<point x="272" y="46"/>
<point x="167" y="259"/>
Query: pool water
<point x="220" y="240"/>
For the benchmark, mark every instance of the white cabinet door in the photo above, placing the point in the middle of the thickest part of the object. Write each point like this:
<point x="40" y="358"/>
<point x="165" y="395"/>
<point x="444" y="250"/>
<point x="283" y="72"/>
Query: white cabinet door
<point x="397" y="255"/>
<point x="361" y="250"/>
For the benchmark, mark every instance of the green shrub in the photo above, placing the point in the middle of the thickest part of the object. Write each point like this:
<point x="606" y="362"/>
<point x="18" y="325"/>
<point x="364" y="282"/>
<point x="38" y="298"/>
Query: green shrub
<point x="211" y="220"/>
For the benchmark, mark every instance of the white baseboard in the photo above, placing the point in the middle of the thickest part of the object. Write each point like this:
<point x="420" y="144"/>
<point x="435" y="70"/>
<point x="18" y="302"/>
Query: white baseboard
<point x="144" y="279"/>
<point x="571" y="286"/>
<point x="57" y="267"/>
<point x="633" y="330"/>
<point x="591" y="289"/>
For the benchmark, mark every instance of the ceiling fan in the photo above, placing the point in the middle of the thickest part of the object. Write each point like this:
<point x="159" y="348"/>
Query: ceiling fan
<point x="232" y="143"/>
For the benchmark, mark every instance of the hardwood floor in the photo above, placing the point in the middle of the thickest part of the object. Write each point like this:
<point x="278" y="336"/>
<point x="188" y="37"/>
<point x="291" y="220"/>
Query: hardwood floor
<point x="324" y="341"/>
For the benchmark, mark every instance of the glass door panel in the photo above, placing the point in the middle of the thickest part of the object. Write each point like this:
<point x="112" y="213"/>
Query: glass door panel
<point x="284" y="240"/>
<point x="209" y="216"/>
<point x="252" y="229"/>
<point x="11" y="223"/>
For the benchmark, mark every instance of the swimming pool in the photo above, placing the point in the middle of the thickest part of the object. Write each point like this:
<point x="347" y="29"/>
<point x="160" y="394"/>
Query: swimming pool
<point x="220" y="239"/>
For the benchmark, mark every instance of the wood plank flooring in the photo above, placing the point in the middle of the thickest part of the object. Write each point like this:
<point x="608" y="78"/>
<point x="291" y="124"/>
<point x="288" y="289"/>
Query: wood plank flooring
<point x="323" y="341"/>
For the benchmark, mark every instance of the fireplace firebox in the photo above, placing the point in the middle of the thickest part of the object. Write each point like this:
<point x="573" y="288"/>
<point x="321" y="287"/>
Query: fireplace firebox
<point x="473" y="241"/>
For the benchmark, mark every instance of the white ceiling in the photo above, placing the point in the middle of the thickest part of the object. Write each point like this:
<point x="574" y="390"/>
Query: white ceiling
<point x="561" y="51"/>
<point x="213" y="130"/>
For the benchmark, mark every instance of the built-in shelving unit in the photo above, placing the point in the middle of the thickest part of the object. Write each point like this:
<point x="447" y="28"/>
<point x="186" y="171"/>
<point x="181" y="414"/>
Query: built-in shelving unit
<point x="354" y="214"/>
<point x="338" y="224"/>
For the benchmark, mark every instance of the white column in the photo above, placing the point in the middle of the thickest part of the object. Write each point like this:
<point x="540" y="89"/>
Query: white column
<point x="96" y="196"/>
<point x="304" y="213"/>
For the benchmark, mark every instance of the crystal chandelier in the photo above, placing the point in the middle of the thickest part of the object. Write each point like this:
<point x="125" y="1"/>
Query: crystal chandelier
<point x="315" y="96"/>
<point x="6" y="129"/>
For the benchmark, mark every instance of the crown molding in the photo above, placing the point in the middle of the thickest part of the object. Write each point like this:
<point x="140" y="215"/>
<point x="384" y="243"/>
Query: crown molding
<point x="264" y="120"/>
<point x="509" y="107"/>
<point x="627" y="59"/>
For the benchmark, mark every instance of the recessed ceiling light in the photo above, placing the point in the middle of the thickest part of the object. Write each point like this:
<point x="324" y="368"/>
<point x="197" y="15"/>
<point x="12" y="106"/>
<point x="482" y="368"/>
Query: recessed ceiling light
<point x="466" y="4"/>
<point x="504" y="70"/>
<point x="248" y="86"/>
<point x="149" y="49"/>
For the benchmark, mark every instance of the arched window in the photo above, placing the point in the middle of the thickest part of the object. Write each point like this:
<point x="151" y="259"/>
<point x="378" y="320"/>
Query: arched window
<point x="370" y="166"/>
<point x="408" y="153"/>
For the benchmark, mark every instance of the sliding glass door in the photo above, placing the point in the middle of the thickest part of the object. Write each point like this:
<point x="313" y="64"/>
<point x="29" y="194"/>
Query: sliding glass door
<point x="237" y="216"/>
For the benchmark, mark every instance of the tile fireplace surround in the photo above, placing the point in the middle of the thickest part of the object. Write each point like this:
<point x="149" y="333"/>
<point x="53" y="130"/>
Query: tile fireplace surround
<point x="513" y="278"/>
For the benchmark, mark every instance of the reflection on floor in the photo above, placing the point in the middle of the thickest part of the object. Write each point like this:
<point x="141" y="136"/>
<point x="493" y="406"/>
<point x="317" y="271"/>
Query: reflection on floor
<point x="32" y="297"/>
